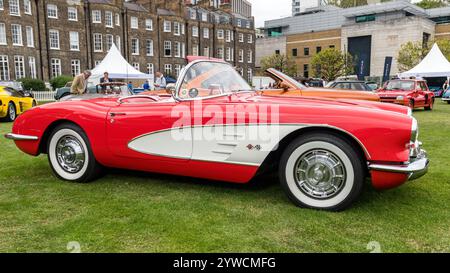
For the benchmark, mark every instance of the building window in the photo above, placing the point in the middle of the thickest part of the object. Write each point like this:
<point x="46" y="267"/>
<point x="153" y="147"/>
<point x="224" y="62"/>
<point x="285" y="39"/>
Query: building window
<point x="241" y="55"/>
<point x="19" y="66"/>
<point x="193" y="15"/>
<point x="195" y="50"/>
<point x="150" y="69"/>
<point x="306" y="51"/>
<point x="74" y="41"/>
<point x="16" y="31"/>
<point x="241" y="38"/>
<point x="206" y="33"/>
<point x="168" y="69"/>
<point x="1" y="5"/>
<point x="75" y="67"/>
<point x="220" y="53"/>
<point x="306" y="71"/>
<point x="136" y="66"/>
<point x="109" y="41"/>
<point x="117" y="19"/>
<point x="204" y="17"/>
<point x="182" y="29"/>
<point x="220" y="34"/>
<point x="249" y="56"/>
<point x="134" y="23"/>
<point x="52" y="11"/>
<point x="55" y="67"/>
<point x="206" y="51"/>
<point x="118" y="42"/>
<point x="249" y="75"/>
<point x="176" y="28"/>
<point x="134" y="46"/>
<point x="54" y="39"/>
<point x="195" y="31"/>
<point x="96" y="16"/>
<point x="247" y="24"/>
<point x="14" y="8"/>
<point x="167" y="49"/>
<point x="228" y="36"/>
<point x="97" y="62"/>
<point x="277" y="52"/>
<point x="72" y="14"/>
<point x="239" y="22"/>
<point x="183" y="50"/>
<point x="27" y="6"/>
<point x="109" y="19"/>
<point x="365" y="18"/>
<point x="4" y="68"/>
<point x="32" y="65"/>
<point x="149" y="47"/>
<point x="332" y="46"/>
<point x="318" y="49"/>
<point x="177" y="70"/>
<point x="294" y="52"/>
<point x="30" y="36"/>
<point x="98" y="42"/>
<point x="149" y="24"/>
<point x="167" y="26"/>
<point x="250" y="39"/>
<point x="228" y="54"/>
<point x="3" y="34"/>
<point x="177" y="50"/>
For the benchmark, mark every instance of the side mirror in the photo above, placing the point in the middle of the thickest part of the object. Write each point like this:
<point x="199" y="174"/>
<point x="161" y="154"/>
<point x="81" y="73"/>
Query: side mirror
<point x="170" y="89"/>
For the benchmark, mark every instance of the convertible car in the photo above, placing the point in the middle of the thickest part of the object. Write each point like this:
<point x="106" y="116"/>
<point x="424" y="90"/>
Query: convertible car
<point x="287" y="86"/>
<point x="14" y="103"/>
<point x="213" y="126"/>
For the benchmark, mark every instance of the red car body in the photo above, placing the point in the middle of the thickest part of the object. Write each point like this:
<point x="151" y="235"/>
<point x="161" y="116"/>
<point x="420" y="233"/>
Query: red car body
<point x="411" y="93"/>
<point x="135" y="133"/>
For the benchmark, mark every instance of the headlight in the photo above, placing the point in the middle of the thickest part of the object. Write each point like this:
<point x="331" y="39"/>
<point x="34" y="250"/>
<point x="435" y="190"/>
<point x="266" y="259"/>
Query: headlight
<point x="414" y="130"/>
<point x="400" y="98"/>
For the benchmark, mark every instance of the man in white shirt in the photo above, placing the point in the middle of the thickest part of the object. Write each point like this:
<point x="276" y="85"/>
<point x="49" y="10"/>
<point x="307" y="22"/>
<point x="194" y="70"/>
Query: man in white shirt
<point x="160" y="81"/>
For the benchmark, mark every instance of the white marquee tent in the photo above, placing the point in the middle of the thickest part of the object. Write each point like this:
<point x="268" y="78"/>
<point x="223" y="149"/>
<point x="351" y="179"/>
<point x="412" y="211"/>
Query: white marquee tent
<point x="118" y="68"/>
<point x="433" y="65"/>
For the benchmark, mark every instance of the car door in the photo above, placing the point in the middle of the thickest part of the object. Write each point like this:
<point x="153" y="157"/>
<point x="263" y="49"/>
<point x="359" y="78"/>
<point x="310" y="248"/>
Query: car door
<point x="141" y="128"/>
<point x="419" y="95"/>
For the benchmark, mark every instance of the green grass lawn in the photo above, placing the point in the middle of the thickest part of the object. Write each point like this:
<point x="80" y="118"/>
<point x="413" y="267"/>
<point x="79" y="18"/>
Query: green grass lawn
<point x="135" y="212"/>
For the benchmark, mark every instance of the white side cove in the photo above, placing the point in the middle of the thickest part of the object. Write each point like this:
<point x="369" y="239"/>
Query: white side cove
<point x="234" y="144"/>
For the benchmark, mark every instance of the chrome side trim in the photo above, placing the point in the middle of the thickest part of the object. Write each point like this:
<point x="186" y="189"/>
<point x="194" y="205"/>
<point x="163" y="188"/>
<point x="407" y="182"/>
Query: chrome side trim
<point x="20" y="137"/>
<point x="120" y="100"/>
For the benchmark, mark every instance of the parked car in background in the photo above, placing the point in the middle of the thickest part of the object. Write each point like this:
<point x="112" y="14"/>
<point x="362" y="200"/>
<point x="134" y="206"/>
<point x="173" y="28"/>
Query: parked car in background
<point x="315" y="83"/>
<point x="18" y="86"/>
<point x="446" y="96"/>
<point x="92" y="89"/>
<point x="372" y="85"/>
<point x="322" y="150"/>
<point x="437" y="90"/>
<point x="13" y="103"/>
<point x="350" y="85"/>
<point x="411" y="93"/>
<point x="286" y="86"/>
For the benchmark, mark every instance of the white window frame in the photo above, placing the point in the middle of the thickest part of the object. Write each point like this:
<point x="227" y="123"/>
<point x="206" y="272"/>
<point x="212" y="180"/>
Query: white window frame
<point x="117" y="19"/>
<point x="75" y="67"/>
<point x="241" y="56"/>
<point x="220" y="34"/>
<point x="149" y="47"/>
<point x="167" y="26"/>
<point x="55" y="63"/>
<point x="206" y="51"/>
<point x="52" y="11"/>
<point x="241" y="37"/>
<point x="228" y="35"/>
<point x="14" y="7"/>
<point x="54" y="45"/>
<point x="149" y="24"/>
<point x="134" y="22"/>
<point x="109" y="41"/>
<point x="137" y="66"/>
<point x="206" y="33"/>
<point x="3" y="40"/>
<point x="98" y="42"/>
<point x="30" y="36"/>
<point x="177" y="70"/>
<point x="72" y="11"/>
<point x="220" y="53"/>
<point x="27" y="7"/>
<point x="135" y="46"/>
<point x="118" y="42"/>
<point x="19" y="41"/>
<point x="249" y="56"/>
<point x="109" y="19"/>
<point x="204" y="17"/>
<point x="2" y="6"/>
<point x="168" y="69"/>
<point x="177" y="50"/>
<point x="150" y="69"/>
<point x="96" y="16"/>
<point x="195" y="50"/>
<point x="176" y="28"/>
<point x="195" y="31"/>
<point x="32" y="67"/>
<point x="4" y="68"/>
<point x="19" y="67"/>
<point x="167" y="46"/>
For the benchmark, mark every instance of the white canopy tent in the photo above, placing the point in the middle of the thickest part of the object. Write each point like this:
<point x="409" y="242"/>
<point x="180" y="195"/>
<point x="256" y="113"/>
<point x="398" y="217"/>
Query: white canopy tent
<point x="118" y="68"/>
<point x="433" y="65"/>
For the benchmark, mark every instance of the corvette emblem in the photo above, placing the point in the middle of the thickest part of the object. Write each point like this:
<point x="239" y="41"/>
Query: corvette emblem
<point x="251" y="147"/>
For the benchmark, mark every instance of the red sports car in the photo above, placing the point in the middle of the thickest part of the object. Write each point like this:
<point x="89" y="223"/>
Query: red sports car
<point x="411" y="93"/>
<point x="214" y="126"/>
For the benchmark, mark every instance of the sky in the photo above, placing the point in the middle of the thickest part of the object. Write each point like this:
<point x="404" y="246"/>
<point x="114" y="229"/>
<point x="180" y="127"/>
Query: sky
<point x="264" y="10"/>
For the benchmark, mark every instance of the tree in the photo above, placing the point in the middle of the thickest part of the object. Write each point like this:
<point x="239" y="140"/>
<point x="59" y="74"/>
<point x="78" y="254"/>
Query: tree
<point x="60" y="81"/>
<point x="431" y="4"/>
<point x="412" y="53"/>
<point x="32" y="84"/>
<point x="331" y="63"/>
<point x="280" y="62"/>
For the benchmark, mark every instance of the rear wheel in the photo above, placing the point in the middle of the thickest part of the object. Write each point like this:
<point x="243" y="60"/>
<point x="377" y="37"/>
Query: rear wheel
<point x="12" y="114"/>
<point x="34" y="104"/>
<point x="430" y="106"/>
<point x="322" y="171"/>
<point x="448" y="102"/>
<point x="70" y="155"/>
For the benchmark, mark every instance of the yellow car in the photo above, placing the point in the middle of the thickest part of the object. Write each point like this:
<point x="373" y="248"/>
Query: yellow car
<point x="13" y="103"/>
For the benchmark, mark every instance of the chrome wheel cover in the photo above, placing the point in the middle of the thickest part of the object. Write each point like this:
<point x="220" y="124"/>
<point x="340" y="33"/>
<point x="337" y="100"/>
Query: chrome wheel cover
<point x="12" y="113"/>
<point x="320" y="174"/>
<point x="70" y="154"/>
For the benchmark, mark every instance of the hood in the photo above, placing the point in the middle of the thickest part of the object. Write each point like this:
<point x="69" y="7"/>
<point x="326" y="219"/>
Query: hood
<point x="395" y="93"/>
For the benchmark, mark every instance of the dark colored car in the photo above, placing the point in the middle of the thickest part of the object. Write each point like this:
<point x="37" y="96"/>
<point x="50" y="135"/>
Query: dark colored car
<point x="350" y="85"/>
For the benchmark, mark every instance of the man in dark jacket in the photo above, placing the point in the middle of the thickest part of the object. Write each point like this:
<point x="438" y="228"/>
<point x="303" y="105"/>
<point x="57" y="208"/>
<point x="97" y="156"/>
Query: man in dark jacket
<point x="104" y="81"/>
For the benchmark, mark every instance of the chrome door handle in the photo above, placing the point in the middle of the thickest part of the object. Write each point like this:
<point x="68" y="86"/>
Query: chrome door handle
<point x="117" y="114"/>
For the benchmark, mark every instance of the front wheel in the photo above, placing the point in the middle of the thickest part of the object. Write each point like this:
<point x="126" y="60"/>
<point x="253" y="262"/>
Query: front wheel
<point x="322" y="171"/>
<point x="12" y="114"/>
<point x="70" y="155"/>
<point x="430" y="106"/>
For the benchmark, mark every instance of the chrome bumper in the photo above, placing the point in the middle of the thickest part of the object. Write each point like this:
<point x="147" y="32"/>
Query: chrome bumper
<point x="20" y="137"/>
<point x="445" y="99"/>
<point x="416" y="168"/>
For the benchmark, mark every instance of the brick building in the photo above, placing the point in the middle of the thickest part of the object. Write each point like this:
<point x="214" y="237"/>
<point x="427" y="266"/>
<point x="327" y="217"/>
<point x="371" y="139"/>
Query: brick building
<point x="46" y="38"/>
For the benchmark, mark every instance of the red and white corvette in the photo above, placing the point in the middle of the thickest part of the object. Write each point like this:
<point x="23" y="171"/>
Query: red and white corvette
<point x="212" y="126"/>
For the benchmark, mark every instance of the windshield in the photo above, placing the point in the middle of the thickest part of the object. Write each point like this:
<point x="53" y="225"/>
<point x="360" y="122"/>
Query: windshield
<point x="400" y="85"/>
<point x="291" y="80"/>
<point x="206" y="79"/>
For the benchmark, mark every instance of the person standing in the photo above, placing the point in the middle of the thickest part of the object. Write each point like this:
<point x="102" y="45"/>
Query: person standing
<point x="146" y="86"/>
<point x="445" y="86"/>
<point x="130" y="86"/>
<point x="79" y="83"/>
<point x="160" y="81"/>
<point x="104" y="81"/>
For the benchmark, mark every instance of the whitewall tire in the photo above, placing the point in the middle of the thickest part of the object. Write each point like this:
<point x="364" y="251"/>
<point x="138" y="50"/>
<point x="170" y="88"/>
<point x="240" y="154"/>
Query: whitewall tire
<point x="70" y="154"/>
<point x="322" y="171"/>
